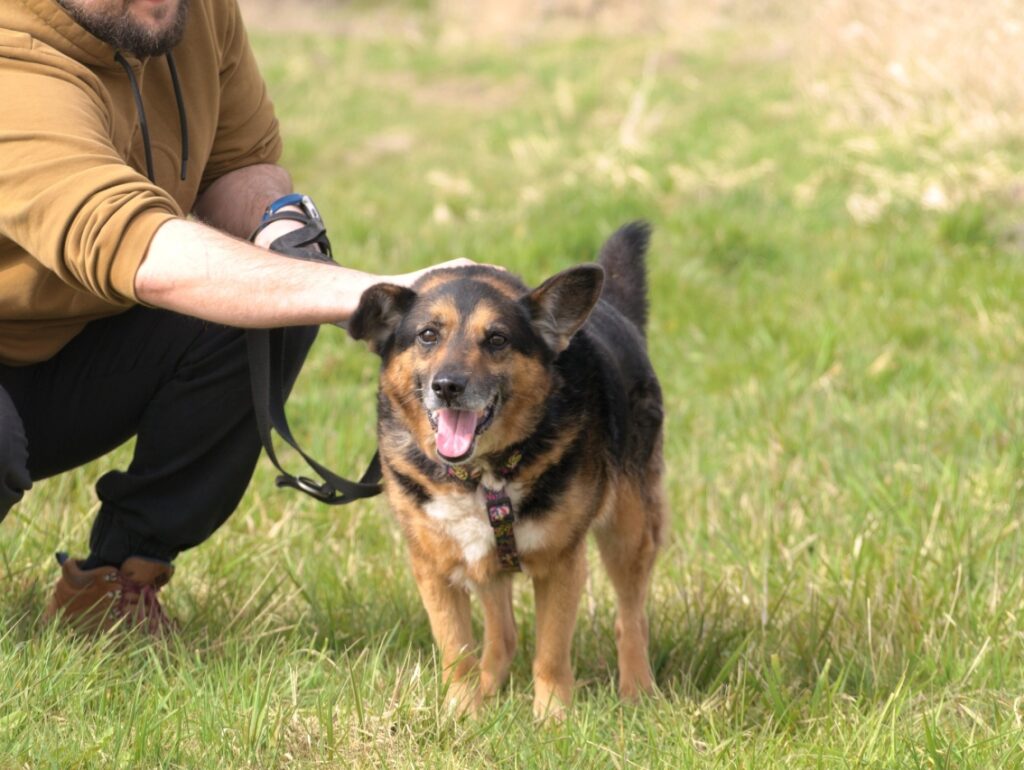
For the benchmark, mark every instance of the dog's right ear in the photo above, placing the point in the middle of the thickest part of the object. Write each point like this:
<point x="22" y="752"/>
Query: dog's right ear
<point x="379" y="312"/>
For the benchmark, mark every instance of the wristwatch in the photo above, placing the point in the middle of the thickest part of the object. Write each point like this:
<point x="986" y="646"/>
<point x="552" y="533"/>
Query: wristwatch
<point x="299" y="200"/>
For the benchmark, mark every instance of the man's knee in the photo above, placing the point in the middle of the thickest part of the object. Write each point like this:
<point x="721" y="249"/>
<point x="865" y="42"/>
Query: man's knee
<point x="14" y="476"/>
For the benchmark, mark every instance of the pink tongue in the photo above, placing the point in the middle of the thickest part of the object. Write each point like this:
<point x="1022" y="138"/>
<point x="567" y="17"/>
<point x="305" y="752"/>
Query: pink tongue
<point x="455" y="431"/>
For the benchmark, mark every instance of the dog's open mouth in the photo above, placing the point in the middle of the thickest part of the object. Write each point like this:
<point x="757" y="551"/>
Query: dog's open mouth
<point x="456" y="431"/>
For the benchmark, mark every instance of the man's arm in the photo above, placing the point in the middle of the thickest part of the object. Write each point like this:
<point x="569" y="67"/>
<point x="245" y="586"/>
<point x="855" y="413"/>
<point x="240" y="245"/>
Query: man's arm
<point x="196" y="269"/>
<point x="235" y="202"/>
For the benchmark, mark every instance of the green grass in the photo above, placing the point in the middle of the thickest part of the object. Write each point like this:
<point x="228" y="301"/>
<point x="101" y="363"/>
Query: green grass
<point x="841" y="583"/>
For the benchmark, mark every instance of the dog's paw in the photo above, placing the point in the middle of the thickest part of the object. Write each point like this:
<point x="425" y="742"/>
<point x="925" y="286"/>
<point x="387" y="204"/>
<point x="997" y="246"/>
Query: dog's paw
<point x="633" y="689"/>
<point x="635" y="679"/>
<point x="551" y="701"/>
<point x="491" y="683"/>
<point x="464" y="699"/>
<point x="549" y="710"/>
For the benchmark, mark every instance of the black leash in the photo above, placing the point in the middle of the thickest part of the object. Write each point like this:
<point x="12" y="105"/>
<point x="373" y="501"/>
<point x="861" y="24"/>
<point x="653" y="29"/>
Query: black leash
<point x="266" y="370"/>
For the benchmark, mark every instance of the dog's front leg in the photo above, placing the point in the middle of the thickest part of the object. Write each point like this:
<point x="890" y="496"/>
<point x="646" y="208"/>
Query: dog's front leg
<point x="499" y="634"/>
<point x="558" y="593"/>
<point x="451" y="623"/>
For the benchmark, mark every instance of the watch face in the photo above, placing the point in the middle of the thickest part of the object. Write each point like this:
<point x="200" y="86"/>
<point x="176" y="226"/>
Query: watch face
<point x="310" y="208"/>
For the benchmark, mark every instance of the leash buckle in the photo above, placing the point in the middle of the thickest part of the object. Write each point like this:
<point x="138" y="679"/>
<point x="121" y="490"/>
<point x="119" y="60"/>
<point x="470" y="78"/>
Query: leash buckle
<point x="325" y="493"/>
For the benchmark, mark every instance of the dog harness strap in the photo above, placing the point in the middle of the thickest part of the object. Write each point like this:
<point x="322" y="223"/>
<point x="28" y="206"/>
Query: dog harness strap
<point x="500" y="513"/>
<point x="501" y="516"/>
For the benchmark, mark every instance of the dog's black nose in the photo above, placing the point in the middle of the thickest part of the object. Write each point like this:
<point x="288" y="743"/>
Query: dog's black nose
<point x="448" y="387"/>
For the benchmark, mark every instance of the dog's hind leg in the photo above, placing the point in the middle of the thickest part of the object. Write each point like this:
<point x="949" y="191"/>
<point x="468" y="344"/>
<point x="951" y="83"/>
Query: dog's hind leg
<point x="558" y="592"/>
<point x="499" y="634"/>
<point x="628" y="541"/>
<point x="451" y="623"/>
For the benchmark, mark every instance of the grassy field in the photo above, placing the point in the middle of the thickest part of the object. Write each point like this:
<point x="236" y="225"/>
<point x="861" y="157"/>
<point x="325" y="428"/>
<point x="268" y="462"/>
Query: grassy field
<point x="836" y="319"/>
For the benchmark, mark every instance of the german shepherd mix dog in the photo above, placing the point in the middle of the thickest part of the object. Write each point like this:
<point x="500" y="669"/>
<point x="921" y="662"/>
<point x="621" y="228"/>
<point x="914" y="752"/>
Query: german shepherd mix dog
<point x="512" y="422"/>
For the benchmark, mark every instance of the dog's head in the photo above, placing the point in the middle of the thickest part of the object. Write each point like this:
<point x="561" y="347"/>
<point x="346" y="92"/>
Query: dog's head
<point x="467" y="352"/>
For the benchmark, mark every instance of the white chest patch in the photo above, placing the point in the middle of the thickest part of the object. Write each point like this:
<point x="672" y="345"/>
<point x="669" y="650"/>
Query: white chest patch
<point x="463" y="518"/>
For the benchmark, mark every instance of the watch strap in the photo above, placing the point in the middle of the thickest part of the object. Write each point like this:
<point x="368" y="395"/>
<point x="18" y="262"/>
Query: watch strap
<point x="303" y="202"/>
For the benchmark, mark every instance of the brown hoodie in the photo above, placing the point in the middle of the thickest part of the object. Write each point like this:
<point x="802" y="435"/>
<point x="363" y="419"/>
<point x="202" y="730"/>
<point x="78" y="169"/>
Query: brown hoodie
<point x="77" y="211"/>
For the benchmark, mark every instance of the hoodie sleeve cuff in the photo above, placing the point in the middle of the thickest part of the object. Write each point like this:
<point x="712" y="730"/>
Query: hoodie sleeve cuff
<point x="133" y="251"/>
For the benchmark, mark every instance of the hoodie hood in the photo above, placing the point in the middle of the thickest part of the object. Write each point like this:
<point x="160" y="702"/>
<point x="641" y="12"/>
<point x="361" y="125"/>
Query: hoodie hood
<point x="49" y="23"/>
<point x="93" y="154"/>
<point x="52" y="25"/>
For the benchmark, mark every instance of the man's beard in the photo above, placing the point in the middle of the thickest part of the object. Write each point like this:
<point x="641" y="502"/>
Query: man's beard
<point x="125" y="34"/>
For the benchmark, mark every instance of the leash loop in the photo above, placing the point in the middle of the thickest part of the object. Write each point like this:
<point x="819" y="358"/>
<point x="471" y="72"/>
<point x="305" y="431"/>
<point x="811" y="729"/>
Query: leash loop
<point x="266" y="373"/>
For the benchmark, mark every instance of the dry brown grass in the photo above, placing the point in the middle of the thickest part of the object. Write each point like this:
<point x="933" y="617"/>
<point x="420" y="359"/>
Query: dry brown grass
<point x="910" y="65"/>
<point x="468" y="22"/>
<point x="919" y="65"/>
<point x="465" y="20"/>
<point x="940" y="80"/>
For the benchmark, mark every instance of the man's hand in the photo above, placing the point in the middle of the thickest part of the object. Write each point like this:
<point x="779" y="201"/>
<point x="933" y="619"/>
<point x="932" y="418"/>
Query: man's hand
<point x="195" y="270"/>
<point x="201" y="271"/>
<point x="408" y="279"/>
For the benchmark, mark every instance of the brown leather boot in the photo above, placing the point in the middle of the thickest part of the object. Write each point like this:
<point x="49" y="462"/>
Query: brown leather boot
<point x="107" y="597"/>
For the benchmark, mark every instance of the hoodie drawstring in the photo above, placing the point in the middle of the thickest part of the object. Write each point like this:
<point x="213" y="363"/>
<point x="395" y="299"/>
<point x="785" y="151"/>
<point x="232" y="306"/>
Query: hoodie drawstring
<point x="141" y="110"/>
<point x="143" y="124"/>
<point x="182" y="121"/>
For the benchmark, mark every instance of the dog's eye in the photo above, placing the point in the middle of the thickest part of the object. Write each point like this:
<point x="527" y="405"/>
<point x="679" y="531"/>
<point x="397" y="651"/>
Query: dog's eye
<point x="497" y="341"/>
<point x="428" y="336"/>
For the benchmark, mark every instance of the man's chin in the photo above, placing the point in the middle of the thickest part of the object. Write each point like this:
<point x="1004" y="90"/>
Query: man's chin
<point x="144" y="28"/>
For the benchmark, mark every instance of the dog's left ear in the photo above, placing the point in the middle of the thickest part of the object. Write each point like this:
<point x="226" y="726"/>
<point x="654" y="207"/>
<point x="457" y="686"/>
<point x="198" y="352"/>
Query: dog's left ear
<point x="561" y="305"/>
<point x="380" y="310"/>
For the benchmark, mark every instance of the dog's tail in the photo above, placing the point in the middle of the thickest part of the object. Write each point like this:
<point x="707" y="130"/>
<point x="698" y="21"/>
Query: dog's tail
<point x="625" y="271"/>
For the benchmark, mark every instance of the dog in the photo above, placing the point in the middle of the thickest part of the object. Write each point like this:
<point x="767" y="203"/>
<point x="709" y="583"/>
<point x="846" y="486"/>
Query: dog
<point x="510" y="424"/>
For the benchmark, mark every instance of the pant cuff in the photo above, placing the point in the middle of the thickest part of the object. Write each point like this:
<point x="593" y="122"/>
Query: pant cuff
<point x="112" y="542"/>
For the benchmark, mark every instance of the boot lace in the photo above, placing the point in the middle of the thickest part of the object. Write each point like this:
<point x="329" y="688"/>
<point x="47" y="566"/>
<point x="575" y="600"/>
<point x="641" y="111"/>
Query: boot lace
<point x="139" y="604"/>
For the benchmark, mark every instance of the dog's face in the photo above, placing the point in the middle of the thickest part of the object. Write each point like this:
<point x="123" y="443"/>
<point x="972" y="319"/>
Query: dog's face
<point x="467" y="353"/>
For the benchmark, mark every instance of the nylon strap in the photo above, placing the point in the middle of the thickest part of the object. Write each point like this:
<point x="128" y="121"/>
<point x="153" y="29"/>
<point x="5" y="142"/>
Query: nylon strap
<point x="500" y="513"/>
<point x="266" y="370"/>
<point x="502" y="517"/>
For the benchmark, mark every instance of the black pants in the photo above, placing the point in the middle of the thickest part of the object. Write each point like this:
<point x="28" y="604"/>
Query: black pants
<point x="181" y="386"/>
